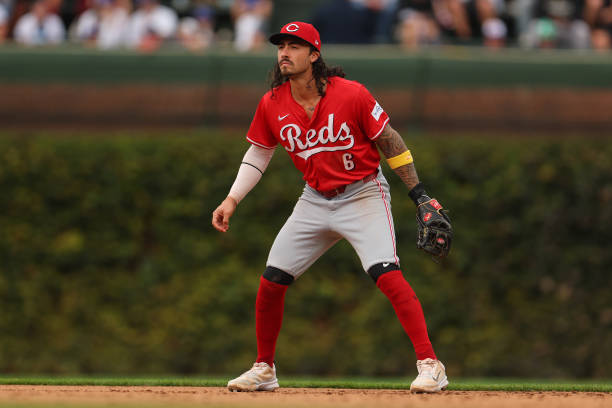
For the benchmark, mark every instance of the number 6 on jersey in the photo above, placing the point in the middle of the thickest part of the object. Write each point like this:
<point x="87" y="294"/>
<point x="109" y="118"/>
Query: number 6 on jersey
<point x="348" y="162"/>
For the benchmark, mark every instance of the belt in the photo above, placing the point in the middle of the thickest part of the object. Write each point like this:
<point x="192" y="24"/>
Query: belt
<point x="339" y="190"/>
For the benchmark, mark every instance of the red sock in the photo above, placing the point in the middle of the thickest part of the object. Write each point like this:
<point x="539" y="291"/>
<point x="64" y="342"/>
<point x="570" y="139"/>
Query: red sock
<point x="268" y="318"/>
<point x="408" y="310"/>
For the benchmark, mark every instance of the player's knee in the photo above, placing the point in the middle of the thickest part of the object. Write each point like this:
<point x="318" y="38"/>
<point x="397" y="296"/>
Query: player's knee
<point x="381" y="268"/>
<point x="277" y="276"/>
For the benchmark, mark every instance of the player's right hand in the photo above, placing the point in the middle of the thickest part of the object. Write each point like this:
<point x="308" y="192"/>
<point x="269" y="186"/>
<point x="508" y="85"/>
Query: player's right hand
<point x="221" y="216"/>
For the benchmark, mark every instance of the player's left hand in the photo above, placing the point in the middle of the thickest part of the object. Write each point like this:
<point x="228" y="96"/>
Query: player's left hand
<point x="435" y="233"/>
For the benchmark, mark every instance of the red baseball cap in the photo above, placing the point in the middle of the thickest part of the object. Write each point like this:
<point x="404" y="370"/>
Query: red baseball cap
<point x="301" y="30"/>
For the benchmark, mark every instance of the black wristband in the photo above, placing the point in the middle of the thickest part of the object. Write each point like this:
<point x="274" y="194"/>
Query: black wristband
<point x="417" y="192"/>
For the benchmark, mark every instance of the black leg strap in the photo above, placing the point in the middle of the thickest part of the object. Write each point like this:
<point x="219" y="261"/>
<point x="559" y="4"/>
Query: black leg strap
<point x="277" y="276"/>
<point x="377" y="270"/>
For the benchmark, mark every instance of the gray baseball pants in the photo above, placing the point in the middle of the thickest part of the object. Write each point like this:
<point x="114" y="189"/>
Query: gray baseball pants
<point x="361" y="215"/>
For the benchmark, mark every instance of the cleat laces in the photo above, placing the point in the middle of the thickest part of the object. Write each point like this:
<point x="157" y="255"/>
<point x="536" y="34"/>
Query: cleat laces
<point x="426" y="367"/>
<point x="255" y="371"/>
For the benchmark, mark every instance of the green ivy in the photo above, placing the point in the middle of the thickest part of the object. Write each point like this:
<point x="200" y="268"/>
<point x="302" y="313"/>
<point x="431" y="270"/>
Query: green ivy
<point x="110" y="264"/>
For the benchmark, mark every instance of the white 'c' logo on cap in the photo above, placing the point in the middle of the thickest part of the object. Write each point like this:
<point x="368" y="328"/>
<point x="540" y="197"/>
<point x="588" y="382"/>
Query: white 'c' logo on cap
<point x="292" y="27"/>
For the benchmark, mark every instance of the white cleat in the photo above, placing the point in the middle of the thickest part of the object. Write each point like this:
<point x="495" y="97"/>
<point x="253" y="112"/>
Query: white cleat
<point x="431" y="378"/>
<point x="261" y="377"/>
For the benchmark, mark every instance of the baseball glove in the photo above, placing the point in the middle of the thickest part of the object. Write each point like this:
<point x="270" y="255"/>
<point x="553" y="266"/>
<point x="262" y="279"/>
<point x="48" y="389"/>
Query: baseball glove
<point x="435" y="233"/>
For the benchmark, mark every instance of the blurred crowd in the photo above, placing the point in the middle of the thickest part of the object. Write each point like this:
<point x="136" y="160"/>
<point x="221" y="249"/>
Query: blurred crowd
<point x="145" y="25"/>
<point x="199" y="24"/>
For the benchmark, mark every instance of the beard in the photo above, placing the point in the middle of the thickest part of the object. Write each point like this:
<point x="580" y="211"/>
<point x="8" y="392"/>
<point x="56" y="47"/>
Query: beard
<point x="291" y="70"/>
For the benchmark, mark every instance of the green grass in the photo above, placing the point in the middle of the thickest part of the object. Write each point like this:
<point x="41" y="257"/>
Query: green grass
<point x="471" y="384"/>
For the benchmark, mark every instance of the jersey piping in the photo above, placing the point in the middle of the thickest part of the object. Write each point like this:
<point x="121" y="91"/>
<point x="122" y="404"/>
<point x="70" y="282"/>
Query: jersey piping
<point x="260" y="145"/>
<point x="380" y="131"/>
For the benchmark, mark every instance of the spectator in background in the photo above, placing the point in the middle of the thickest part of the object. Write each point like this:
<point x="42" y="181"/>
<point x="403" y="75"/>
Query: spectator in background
<point x="521" y="12"/>
<point x="4" y="22"/>
<point x="151" y="25"/>
<point x="251" y="19"/>
<point x="345" y="22"/>
<point x="557" y="24"/>
<point x="492" y="28"/>
<point x="416" y="25"/>
<point x="452" y="18"/>
<point x="598" y="15"/>
<point x="197" y="33"/>
<point x="104" y="25"/>
<point x="494" y="33"/>
<point x="385" y="12"/>
<point x="469" y="20"/>
<point x="40" y="26"/>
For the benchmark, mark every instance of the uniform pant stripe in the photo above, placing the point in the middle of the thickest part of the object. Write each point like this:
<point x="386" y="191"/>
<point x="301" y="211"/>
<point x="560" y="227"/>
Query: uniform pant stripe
<point x="388" y="220"/>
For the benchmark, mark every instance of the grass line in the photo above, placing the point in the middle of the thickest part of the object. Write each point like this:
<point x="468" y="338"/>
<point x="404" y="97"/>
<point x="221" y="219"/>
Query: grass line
<point x="475" y="384"/>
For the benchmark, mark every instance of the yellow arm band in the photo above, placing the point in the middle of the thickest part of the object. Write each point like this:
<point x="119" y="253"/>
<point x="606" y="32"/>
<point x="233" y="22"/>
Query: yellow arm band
<point x="400" y="160"/>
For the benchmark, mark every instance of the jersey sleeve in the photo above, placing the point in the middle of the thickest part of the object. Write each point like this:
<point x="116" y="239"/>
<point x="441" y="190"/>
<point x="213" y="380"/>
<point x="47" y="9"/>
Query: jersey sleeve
<point x="259" y="132"/>
<point x="373" y="117"/>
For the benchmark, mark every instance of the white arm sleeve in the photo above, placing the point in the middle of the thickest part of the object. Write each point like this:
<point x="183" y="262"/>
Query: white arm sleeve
<point x="253" y="165"/>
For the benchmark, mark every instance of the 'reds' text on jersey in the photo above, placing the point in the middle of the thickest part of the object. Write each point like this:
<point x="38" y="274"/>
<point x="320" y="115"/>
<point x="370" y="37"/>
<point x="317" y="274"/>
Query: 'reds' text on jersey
<point x="333" y="148"/>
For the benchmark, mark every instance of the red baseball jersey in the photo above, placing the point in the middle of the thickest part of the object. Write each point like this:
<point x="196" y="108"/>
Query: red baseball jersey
<point x="333" y="148"/>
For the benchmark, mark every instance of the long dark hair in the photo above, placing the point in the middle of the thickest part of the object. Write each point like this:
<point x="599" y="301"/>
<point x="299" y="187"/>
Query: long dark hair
<point x="320" y="72"/>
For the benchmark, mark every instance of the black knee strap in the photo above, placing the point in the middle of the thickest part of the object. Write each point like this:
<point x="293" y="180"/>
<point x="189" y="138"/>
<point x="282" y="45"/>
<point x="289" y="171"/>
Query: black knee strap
<point x="381" y="268"/>
<point x="277" y="276"/>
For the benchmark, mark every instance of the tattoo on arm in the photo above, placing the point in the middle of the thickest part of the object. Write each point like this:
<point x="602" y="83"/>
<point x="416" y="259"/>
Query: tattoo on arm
<point x="391" y="144"/>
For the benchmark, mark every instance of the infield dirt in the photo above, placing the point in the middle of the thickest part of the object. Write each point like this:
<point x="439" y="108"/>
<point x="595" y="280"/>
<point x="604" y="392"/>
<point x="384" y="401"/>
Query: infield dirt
<point x="288" y="397"/>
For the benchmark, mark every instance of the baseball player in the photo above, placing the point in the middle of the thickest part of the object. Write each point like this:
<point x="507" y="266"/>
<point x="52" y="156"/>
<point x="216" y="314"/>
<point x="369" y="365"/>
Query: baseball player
<point x="332" y="128"/>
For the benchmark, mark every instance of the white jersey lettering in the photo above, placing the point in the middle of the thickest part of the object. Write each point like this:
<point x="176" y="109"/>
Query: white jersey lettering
<point x="311" y="136"/>
<point x="292" y="136"/>
<point x="326" y="133"/>
<point x="317" y="141"/>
